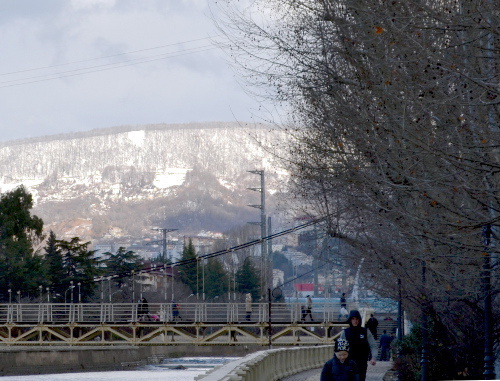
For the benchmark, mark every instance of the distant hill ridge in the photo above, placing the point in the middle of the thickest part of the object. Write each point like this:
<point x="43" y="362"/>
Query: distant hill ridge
<point x="131" y="177"/>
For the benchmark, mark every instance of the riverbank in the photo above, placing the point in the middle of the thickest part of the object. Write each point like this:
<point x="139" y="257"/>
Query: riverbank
<point x="60" y="359"/>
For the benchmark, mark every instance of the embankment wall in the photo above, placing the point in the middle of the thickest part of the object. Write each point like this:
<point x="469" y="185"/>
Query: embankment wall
<point x="51" y="359"/>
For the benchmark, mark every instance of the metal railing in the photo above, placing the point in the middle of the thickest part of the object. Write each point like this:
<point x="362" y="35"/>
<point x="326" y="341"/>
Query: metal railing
<point x="63" y="313"/>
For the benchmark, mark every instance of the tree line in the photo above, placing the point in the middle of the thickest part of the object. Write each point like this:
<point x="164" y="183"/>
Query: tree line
<point x="34" y="267"/>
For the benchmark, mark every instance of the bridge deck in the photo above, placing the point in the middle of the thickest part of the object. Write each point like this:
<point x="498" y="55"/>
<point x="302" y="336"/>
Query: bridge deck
<point x="196" y="323"/>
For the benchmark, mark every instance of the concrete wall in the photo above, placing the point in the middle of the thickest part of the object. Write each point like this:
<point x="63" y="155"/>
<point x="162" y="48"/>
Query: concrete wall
<point x="42" y="360"/>
<point x="271" y="365"/>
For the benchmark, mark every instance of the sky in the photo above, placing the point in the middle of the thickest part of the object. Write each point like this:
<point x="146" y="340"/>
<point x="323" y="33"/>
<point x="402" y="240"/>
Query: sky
<point x="78" y="65"/>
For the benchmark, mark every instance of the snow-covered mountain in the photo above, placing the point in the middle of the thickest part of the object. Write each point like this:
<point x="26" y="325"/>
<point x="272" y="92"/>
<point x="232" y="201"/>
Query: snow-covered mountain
<point x="126" y="180"/>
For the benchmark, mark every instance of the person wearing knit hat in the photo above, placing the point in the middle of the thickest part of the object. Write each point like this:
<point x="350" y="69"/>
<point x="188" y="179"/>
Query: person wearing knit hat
<point x="363" y="347"/>
<point x="340" y="367"/>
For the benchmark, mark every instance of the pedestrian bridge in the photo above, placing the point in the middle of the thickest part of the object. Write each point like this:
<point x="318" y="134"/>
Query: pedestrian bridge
<point x="78" y="324"/>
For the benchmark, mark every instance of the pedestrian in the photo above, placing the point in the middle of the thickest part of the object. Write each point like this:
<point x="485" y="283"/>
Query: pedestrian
<point x="385" y="345"/>
<point x="308" y="311"/>
<point x="372" y="325"/>
<point x="363" y="347"/>
<point x="343" y="301"/>
<point x="142" y="309"/>
<point x="248" y="306"/>
<point x="340" y="367"/>
<point x="343" y="314"/>
<point x="175" y="311"/>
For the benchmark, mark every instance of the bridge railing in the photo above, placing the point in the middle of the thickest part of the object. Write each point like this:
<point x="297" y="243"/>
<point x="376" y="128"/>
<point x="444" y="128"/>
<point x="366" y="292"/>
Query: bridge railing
<point x="60" y="313"/>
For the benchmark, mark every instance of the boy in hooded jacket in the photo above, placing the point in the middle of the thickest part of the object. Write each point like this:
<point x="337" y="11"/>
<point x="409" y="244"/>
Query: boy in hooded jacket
<point x="363" y="347"/>
<point x="340" y="367"/>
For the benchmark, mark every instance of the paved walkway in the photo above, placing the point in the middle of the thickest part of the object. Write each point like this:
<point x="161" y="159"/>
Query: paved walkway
<point x="375" y="373"/>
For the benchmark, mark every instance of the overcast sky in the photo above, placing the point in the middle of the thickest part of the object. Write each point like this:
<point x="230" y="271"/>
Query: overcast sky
<point x="76" y="65"/>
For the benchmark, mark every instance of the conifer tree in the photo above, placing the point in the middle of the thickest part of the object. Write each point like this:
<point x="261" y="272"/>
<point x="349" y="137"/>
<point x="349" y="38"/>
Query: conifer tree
<point x="121" y="264"/>
<point x="248" y="279"/>
<point x="189" y="267"/>
<point x="80" y="266"/>
<point x="54" y="264"/>
<point x="216" y="282"/>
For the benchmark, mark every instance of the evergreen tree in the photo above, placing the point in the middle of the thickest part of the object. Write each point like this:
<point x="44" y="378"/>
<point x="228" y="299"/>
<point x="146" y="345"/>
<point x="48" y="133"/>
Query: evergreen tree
<point x="121" y="264"/>
<point x="248" y="279"/>
<point x="215" y="279"/>
<point x="54" y="264"/>
<point x="189" y="267"/>
<point x="20" y="266"/>
<point x="80" y="266"/>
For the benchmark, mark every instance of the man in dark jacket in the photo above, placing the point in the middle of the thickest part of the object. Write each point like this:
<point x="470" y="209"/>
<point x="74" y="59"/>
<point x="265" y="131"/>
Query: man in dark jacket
<point x="340" y="367"/>
<point x="363" y="347"/>
<point x="385" y="344"/>
<point x="372" y="325"/>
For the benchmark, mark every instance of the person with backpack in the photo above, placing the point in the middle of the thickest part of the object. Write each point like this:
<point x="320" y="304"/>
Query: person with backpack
<point x="363" y="347"/>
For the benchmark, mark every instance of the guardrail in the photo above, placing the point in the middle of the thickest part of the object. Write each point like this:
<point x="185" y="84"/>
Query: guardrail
<point x="271" y="365"/>
<point x="41" y="313"/>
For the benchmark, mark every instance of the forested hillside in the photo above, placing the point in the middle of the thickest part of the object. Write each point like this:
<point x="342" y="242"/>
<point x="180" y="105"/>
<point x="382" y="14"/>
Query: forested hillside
<point x="124" y="180"/>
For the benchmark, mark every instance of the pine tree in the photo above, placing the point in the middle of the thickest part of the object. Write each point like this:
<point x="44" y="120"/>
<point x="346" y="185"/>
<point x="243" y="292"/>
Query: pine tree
<point x="215" y="279"/>
<point x="54" y="264"/>
<point x="189" y="270"/>
<point x="121" y="264"/>
<point x="248" y="279"/>
<point x="80" y="266"/>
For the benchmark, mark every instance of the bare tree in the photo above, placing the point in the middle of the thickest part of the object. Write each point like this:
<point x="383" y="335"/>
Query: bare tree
<point x="394" y="107"/>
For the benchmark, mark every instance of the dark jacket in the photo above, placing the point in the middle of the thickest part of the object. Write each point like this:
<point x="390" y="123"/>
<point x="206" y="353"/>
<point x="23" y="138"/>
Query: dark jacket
<point x="361" y="342"/>
<point x="334" y="370"/>
<point x="385" y="341"/>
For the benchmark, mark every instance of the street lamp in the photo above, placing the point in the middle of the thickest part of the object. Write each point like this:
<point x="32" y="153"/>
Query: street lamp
<point x="41" y="292"/>
<point x="18" y="296"/>
<point x="133" y="286"/>
<point x="71" y="286"/>
<point x="109" y="287"/>
<point x="173" y="282"/>
<point x="79" y="292"/>
<point x="48" y="294"/>
<point x="10" y="296"/>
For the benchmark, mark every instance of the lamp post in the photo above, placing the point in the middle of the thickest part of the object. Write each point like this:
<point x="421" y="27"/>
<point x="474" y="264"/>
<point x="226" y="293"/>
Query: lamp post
<point x="109" y="287"/>
<point x="41" y="293"/>
<point x="133" y="286"/>
<point x="10" y="296"/>
<point x="102" y="289"/>
<point x="71" y="287"/>
<point x="203" y="276"/>
<point x="18" y="296"/>
<point x="79" y="292"/>
<point x="173" y="282"/>
<point x="48" y="294"/>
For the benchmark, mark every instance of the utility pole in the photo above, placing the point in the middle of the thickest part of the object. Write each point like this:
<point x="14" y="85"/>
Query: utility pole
<point x="164" y="241"/>
<point x="270" y="262"/>
<point x="263" y="229"/>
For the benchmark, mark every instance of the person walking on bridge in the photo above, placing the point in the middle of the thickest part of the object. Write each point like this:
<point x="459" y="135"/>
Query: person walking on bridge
<point x="363" y="347"/>
<point x="248" y="306"/>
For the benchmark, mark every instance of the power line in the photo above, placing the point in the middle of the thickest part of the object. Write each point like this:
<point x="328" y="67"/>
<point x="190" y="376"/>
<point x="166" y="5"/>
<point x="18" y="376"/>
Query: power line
<point x="103" y="57"/>
<point x="104" y="67"/>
